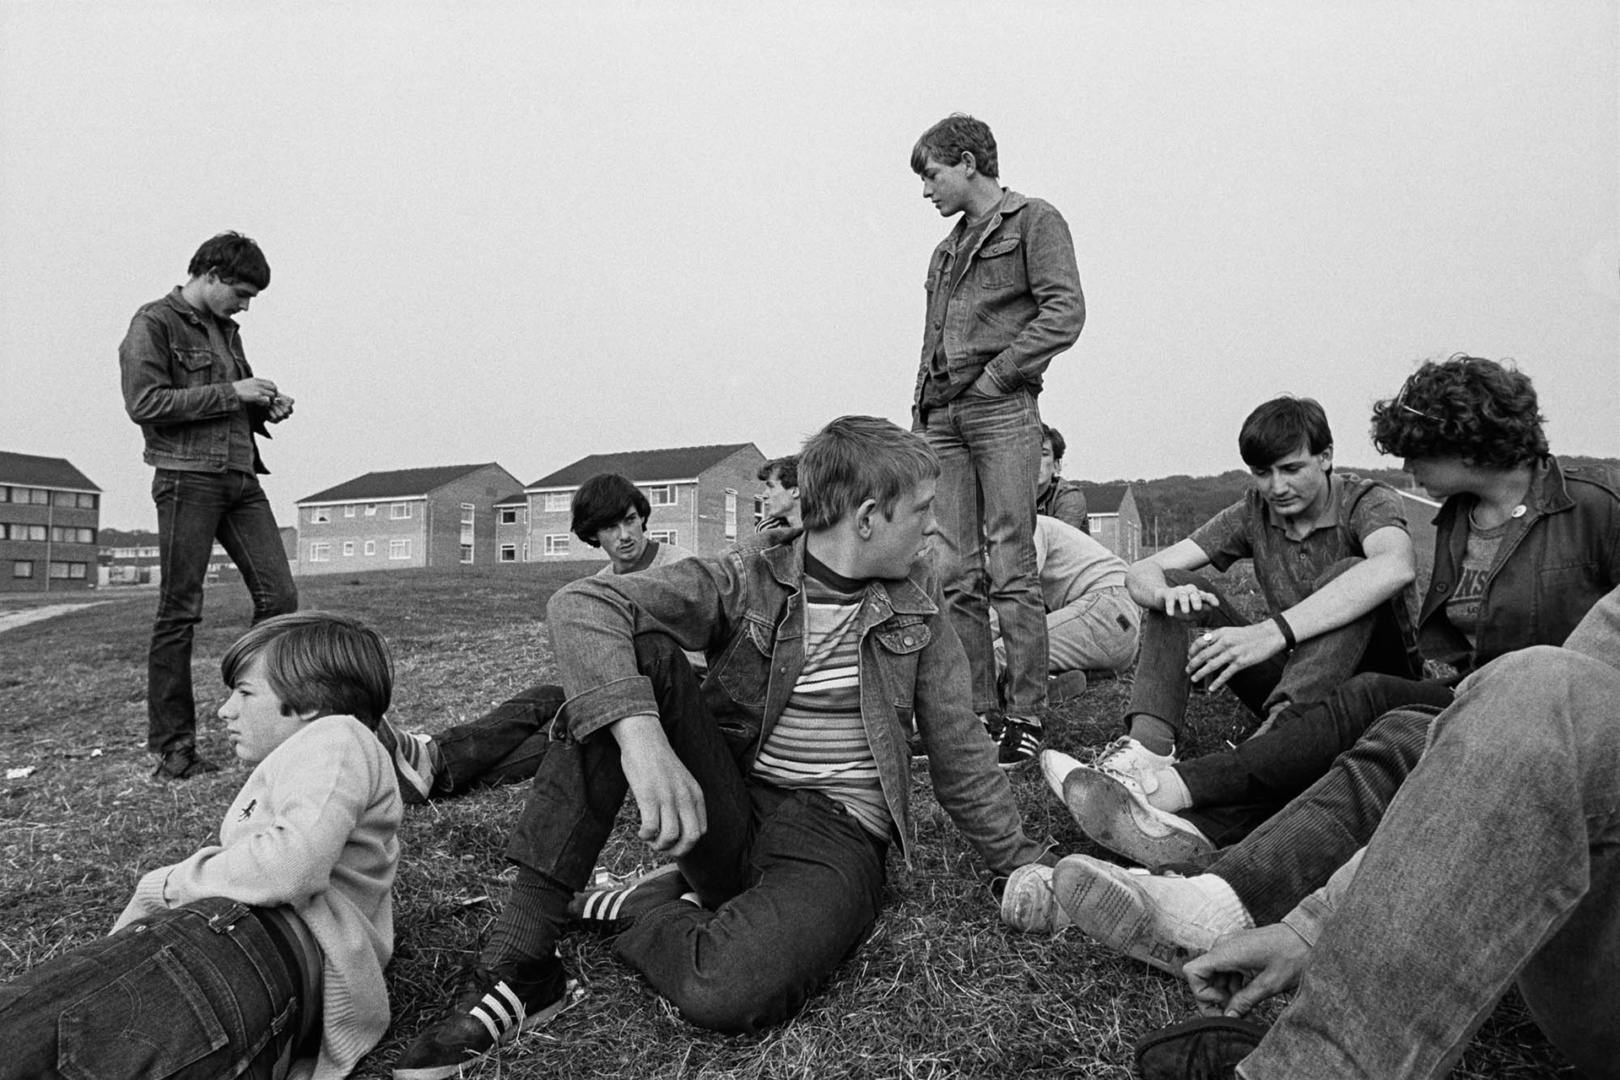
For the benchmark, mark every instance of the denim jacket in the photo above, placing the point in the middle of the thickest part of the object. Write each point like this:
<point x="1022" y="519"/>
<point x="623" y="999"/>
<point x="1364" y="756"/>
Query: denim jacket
<point x="1018" y="304"/>
<point x="179" y="389"/>
<point x="745" y="610"/>
<point x="1556" y="560"/>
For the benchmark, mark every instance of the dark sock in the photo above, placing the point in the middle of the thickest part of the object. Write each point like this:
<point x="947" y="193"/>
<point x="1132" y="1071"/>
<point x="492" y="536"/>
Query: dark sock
<point x="524" y="938"/>
<point x="1153" y="733"/>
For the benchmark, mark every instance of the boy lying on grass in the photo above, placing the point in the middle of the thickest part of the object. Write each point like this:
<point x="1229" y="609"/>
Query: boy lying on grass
<point x="260" y="956"/>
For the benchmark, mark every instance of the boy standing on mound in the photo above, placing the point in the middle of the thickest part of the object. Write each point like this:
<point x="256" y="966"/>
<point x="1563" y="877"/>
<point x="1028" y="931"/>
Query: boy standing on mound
<point x="777" y="785"/>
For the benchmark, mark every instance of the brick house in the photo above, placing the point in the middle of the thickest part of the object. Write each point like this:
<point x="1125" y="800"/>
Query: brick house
<point x="1116" y="522"/>
<point x="702" y="498"/>
<point x="443" y="516"/>
<point x="512" y="528"/>
<point x="50" y="514"/>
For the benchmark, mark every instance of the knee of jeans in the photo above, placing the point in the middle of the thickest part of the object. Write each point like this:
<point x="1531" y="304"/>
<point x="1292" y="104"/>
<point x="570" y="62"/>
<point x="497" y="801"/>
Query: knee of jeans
<point x="734" y="1002"/>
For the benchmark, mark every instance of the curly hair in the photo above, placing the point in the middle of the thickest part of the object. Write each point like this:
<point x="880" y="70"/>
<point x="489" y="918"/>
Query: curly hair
<point x="1479" y="410"/>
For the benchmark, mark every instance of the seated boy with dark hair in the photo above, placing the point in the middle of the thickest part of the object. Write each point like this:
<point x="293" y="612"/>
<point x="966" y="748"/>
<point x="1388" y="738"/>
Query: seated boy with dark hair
<point x="777" y="785"/>
<point x="268" y="947"/>
<point x="781" y="494"/>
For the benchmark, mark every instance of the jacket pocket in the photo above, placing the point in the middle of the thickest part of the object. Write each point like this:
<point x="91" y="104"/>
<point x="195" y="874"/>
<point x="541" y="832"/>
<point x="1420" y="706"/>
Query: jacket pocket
<point x="900" y="643"/>
<point x="744" y="669"/>
<point x="999" y="264"/>
<point x="194" y="367"/>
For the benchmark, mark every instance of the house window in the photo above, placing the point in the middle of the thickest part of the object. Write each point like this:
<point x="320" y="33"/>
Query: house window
<point x="22" y="568"/>
<point x="466" y="553"/>
<point x="64" y="498"/>
<point x="558" y="501"/>
<point x="371" y="547"/>
<point x="68" y="571"/>
<point x="663" y="536"/>
<point x="399" y="511"/>
<point x="28" y="532"/>
<point x="557" y="544"/>
<point x="5" y="493"/>
<point x="731" y="514"/>
<point x="348" y="548"/>
<point x="39" y="496"/>
<point x="320" y="515"/>
<point x="508" y="553"/>
<point x="371" y="509"/>
<point x="320" y="552"/>
<point x="87" y="502"/>
<point x="63" y="535"/>
<point x="662" y="495"/>
<point x="399" y="549"/>
<point x="348" y="509"/>
<point x="509" y="515"/>
<point x="467" y="513"/>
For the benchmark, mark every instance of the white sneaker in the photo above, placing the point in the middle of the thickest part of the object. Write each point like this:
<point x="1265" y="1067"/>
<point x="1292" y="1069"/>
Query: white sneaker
<point x="1162" y="921"/>
<point x="1113" y="809"/>
<point x="1027" y="903"/>
<point x="1127" y="757"/>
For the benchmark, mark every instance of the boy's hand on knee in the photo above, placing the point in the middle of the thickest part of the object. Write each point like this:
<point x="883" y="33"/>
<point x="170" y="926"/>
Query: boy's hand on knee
<point x="673" y="817"/>
<point x="1247" y="967"/>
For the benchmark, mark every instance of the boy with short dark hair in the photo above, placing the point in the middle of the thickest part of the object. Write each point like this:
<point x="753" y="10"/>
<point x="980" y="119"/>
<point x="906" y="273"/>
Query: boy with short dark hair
<point x="781" y="494"/>
<point x="609" y="512"/>
<point x="1054" y="496"/>
<point x="287" y="921"/>
<point x="777" y="785"/>
<point x="187" y="383"/>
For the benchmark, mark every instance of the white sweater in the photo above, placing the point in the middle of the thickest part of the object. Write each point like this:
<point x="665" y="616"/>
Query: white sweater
<point x="315" y="828"/>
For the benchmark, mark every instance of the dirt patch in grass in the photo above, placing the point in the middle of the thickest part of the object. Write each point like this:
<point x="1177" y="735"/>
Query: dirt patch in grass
<point x="940" y="989"/>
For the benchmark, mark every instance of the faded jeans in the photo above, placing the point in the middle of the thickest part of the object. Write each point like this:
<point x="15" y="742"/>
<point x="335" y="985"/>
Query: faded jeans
<point x="789" y="881"/>
<point x="1309" y="673"/>
<point x="179" y="995"/>
<point x="990" y="451"/>
<point x="1498" y="860"/>
<point x="194" y="509"/>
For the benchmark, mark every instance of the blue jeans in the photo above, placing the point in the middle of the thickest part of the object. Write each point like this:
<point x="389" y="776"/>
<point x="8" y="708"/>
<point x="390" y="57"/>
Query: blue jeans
<point x="194" y="509"/>
<point x="1309" y="673"/>
<point x="188" y="994"/>
<point x="791" y="882"/>
<point x="989" y="452"/>
<point x="1499" y="860"/>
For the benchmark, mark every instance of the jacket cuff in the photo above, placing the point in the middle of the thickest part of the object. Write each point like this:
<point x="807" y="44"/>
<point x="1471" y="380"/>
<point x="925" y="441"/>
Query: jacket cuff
<point x="585" y="714"/>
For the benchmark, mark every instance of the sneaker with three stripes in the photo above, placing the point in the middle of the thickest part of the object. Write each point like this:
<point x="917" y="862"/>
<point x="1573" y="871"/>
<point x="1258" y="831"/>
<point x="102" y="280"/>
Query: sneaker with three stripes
<point x="611" y="910"/>
<point x="493" y="1010"/>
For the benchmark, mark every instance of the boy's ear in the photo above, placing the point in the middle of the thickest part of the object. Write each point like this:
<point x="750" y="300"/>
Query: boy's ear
<point x="863" y="518"/>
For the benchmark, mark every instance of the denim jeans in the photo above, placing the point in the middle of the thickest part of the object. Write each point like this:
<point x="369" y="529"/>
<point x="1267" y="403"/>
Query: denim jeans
<point x="194" y="509"/>
<point x="1499" y="860"/>
<point x="504" y="746"/>
<point x="1309" y="673"/>
<point x="176" y="995"/>
<point x="1294" y="852"/>
<point x="1233" y="791"/>
<point x="791" y="882"/>
<point x="990" y="451"/>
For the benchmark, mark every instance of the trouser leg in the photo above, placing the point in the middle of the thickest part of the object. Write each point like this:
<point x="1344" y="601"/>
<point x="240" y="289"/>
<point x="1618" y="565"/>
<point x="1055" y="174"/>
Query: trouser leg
<point x="1496" y="857"/>
<point x="1294" y="852"/>
<point x="1233" y="791"/>
<point x="1097" y="633"/>
<point x="580" y="786"/>
<point x="814" y="886"/>
<point x="961" y="553"/>
<point x="189" y="508"/>
<point x="504" y="746"/>
<point x="248" y="532"/>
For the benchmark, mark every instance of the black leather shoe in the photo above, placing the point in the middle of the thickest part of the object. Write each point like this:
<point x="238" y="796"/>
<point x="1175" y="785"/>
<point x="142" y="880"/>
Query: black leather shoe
<point x="183" y="765"/>
<point x="1203" y="1048"/>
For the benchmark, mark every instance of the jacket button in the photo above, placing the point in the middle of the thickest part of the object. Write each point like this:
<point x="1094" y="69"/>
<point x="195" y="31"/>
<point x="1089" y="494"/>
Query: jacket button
<point x="1442" y="586"/>
<point x="909" y="640"/>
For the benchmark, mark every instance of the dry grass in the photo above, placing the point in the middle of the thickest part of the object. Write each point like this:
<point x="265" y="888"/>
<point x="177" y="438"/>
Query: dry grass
<point x="939" y="990"/>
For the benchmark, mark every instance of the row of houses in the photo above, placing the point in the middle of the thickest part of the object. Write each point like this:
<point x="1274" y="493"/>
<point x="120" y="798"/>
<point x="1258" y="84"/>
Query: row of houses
<point x="703" y="498"/>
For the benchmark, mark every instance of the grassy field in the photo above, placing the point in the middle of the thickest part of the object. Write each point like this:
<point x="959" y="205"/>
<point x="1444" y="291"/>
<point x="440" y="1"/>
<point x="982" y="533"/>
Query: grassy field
<point x="940" y="989"/>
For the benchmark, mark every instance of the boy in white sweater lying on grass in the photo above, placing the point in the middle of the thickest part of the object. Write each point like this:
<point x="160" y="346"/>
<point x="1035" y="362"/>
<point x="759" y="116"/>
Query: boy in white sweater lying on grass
<point x="262" y="955"/>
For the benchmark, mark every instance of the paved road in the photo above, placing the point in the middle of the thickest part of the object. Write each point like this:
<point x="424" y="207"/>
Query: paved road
<point x="10" y="620"/>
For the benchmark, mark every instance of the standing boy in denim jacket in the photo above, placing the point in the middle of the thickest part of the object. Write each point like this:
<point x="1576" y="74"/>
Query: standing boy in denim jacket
<point x="777" y="785"/>
<point x="187" y="383"/>
<point x="1003" y="300"/>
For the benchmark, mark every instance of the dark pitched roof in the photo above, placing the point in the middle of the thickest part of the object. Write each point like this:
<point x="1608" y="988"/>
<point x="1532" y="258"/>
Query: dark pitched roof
<point x="34" y="471"/>
<point x="395" y="484"/>
<point x="517" y="498"/>
<point x="1104" y="498"/>
<point x="643" y="466"/>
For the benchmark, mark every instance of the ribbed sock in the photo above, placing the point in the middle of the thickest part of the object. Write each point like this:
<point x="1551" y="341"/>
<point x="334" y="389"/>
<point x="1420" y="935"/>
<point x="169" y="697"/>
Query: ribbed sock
<point x="526" y="933"/>
<point x="1153" y="733"/>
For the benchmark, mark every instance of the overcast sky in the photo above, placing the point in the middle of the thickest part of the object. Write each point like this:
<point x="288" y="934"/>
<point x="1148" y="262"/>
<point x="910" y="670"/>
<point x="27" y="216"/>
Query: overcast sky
<point x="523" y="233"/>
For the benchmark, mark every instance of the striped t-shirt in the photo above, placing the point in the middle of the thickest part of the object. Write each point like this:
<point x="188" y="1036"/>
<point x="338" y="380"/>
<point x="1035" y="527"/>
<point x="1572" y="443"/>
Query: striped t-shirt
<point x="820" y="741"/>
